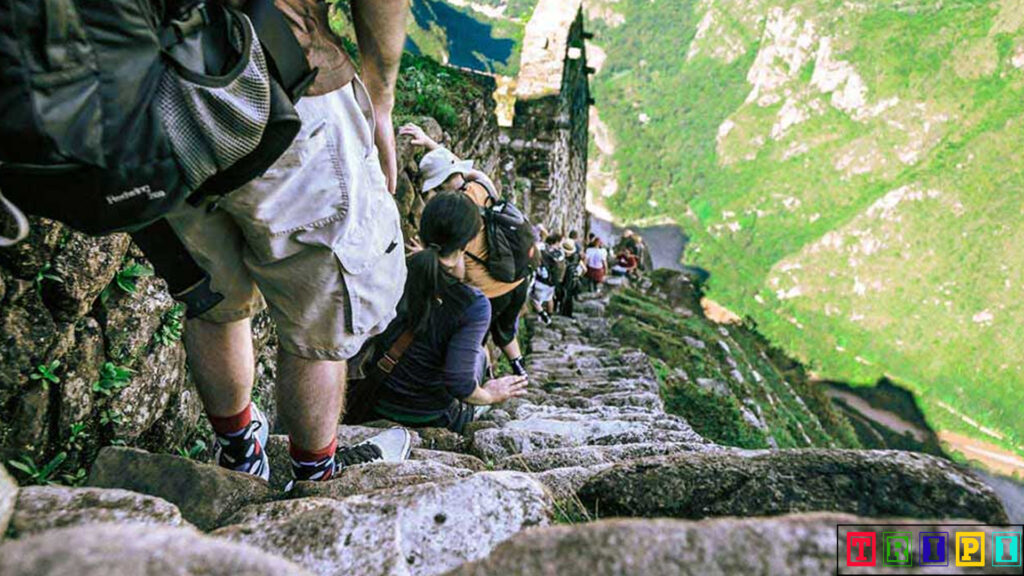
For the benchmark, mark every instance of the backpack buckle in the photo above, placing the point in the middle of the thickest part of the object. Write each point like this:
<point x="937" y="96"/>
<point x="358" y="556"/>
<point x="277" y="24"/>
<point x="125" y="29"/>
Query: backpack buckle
<point x="386" y="363"/>
<point x="194" y="18"/>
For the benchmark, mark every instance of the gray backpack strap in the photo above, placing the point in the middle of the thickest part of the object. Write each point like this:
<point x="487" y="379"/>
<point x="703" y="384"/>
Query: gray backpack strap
<point x="19" y="219"/>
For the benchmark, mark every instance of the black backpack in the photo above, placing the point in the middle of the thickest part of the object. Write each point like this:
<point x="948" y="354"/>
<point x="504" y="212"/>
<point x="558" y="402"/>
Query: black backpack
<point x="553" y="262"/>
<point x="114" y="112"/>
<point x="509" y="240"/>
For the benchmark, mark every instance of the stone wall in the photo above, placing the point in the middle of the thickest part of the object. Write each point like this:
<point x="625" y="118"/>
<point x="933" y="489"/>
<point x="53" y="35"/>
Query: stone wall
<point x="114" y="365"/>
<point x="549" y="137"/>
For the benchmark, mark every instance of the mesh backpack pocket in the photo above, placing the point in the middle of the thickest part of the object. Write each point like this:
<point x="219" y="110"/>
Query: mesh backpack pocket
<point x="213" y="121"/>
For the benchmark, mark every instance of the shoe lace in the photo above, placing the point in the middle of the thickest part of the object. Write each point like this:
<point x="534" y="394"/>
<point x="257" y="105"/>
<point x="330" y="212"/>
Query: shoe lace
<point x="358" y="455"/>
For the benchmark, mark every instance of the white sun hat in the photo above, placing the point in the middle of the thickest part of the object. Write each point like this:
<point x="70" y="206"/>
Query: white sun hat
<point x="438" y="165"/>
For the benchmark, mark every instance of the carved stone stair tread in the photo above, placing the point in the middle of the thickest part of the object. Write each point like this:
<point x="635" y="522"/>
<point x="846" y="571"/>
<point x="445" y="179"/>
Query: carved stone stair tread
<point x="204" y="493"/>
<point x="137" y="550"/>
<point x="796" y="544"/>
<point x="762" y="483"/>
<point x="420" y="530"/>
<point x="42" y="508"/>
<point x="374" y="476"/>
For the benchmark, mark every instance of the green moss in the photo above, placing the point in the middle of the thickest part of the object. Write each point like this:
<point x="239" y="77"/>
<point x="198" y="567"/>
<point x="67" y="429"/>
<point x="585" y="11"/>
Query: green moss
<point x="747" y="375"/>
<point x="714" y="417"/>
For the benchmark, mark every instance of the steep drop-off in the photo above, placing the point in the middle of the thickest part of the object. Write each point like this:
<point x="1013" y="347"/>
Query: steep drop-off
<point x="846" y="171"/>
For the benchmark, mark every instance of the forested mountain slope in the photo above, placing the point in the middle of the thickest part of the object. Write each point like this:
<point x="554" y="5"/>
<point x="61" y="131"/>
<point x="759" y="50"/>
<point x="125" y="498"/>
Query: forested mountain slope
<point x="850" y="175"/>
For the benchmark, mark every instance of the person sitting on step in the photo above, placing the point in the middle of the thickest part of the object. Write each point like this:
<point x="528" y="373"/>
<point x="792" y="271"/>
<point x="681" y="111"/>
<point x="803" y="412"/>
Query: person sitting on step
<point x="442" y="170"/>
<point x="626" y="264"/>
<point x="440" y="377"/>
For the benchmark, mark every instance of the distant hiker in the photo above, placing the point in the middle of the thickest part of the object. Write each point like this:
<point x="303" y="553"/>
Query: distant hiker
<point x="570" y="287"/>
<point x="575" y="237"/>
<point x="315" y="239"/>
<point x="628" y="242"/>
<point x="548" y="278"/>
<point x="442" y="170"/>
<point x="626" y="263"/>
<point x="596" y="259"/>
<point x="539" y="234"/>
<point x="437" y="364"/>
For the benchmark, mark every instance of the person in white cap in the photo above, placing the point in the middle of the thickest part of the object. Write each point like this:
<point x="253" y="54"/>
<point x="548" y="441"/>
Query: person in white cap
<point x="442" y="170"/>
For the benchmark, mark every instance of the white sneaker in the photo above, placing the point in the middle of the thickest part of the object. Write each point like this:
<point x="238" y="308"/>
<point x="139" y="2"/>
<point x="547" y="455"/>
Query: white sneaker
<point x="391" y="445"/>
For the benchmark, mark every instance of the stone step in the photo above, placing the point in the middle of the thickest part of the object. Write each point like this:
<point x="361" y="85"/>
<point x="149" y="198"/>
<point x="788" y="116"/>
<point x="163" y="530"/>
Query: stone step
<point x="544" y="460"/>
<point x="137" y="550"/>
<point x="42" y="508"/>
<point x="640" y="399"/>
<point x="421" y="530"/>
<point x="603" y="372"/>
<point x="876" y="483"/>
<point x="532" y="435"/>
<point x="799" y="544"/>
<point x="597" y="387"/>
<point x="526" y="411"/>
<point x="280" y="461"/>
<point x="375" y="476"/>
<point x="204" y="493"/>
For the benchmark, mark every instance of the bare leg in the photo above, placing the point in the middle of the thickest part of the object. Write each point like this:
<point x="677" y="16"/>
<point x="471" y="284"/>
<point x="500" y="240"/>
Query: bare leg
<point x="222" y="363"/>
<point x="310" y="398"/>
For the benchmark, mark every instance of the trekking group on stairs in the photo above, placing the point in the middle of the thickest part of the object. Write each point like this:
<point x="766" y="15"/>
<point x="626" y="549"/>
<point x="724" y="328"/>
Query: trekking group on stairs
<point x="289" y="206"/>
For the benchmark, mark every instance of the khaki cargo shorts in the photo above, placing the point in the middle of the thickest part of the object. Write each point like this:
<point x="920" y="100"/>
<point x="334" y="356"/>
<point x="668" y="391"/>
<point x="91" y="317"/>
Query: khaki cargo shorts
<point x="317" y="237"/>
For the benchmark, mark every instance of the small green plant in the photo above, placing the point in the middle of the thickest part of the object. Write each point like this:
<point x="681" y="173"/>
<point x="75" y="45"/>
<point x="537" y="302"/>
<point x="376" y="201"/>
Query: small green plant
<point x="171" y="327"/>
<point x="129" y="275"/>
<point x="37" y="474"/>
<point x="111" y="417"/>
<point x="126" y="279"/>
<point x="112" y="379"/>
<point x="43" y="275"/>
<point x="193" y="452"/>
<point x="45" y="374"/>
<point x="77" y="436"/>
<point x="77" y="479"/>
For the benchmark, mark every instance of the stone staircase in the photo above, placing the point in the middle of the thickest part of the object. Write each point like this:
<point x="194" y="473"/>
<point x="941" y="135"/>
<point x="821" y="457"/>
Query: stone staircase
<point x="541" y="485"/>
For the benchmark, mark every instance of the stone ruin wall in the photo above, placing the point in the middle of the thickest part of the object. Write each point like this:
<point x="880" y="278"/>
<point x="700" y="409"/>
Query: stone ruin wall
<point x="549" y="137"/>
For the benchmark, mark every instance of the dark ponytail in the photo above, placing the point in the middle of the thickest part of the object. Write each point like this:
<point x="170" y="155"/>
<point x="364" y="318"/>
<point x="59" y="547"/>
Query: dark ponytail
<point x="449" y="221"/>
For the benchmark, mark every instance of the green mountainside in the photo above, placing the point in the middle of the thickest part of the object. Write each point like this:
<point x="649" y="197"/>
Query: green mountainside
<point x="727" y="381"/>
<point x="849" y="173"/>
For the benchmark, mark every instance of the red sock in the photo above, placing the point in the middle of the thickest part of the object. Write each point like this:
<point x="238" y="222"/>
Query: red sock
<point x="302" y="455"/>
<point x="228" y="425"/>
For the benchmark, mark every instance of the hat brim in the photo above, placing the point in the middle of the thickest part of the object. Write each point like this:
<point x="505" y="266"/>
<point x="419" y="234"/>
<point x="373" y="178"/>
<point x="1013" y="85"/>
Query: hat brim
<point x="461" y="167"/>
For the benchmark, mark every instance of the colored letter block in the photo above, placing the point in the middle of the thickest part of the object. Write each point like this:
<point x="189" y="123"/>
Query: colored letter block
<point x="898" y="548"/>
<point x="970" y="548"/>
<point x="1006" y="549"/>
<point x="860" y="549"/>
<point x="933" y="548"/>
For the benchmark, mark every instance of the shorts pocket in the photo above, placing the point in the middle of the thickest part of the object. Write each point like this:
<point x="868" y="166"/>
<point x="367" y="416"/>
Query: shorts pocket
<point x="304" y="189"/>
<point x="370" y="253"/>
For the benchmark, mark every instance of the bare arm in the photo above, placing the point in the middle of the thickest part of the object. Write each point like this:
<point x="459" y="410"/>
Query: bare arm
<point x="418" y="137"/>
<point x="380" y="32"/>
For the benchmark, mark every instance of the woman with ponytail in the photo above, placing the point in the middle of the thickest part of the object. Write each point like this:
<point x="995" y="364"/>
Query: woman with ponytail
<point x="439" y="377"/>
